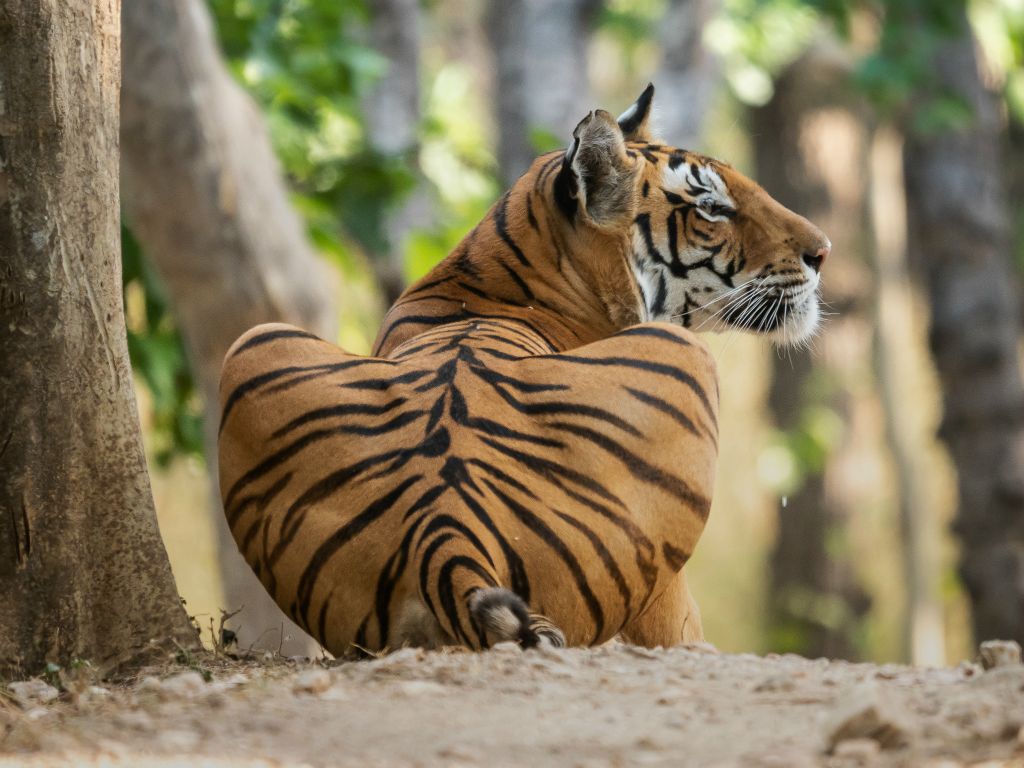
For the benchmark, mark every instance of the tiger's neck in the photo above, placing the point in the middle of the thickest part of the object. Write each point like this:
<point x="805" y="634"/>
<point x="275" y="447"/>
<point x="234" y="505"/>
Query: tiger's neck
<point x="529" y="262"/>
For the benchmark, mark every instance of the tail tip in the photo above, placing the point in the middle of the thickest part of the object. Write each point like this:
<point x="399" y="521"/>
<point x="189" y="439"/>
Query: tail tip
<point x="503" y="616"/>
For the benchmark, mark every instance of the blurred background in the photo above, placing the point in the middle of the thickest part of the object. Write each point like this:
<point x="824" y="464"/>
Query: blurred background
<point x="305" y="159"/>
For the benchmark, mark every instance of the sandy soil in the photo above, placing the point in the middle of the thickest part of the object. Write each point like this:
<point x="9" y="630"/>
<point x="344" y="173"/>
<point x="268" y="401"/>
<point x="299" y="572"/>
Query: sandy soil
<point x="610" y="706"/>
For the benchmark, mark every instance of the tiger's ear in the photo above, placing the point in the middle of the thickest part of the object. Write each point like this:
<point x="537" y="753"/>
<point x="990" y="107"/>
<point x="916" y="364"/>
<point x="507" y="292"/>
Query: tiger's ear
<point x="597" y="173"/>
<point x="635" y="122"/>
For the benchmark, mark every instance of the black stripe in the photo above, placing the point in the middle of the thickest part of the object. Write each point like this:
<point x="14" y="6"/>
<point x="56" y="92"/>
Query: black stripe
<point x="429" y="320"/>
<point x="642" y="470"/>
<point x="368" y="515"/>
<point x="676" y="558"/>
<point x="642" y="365"/>
<point x="348" y="409"/>
<point x="558" y="157"/>
<point x="570" y="409"/>
<point x="544" y="532"/>
<point x="518" y="280"/>
<point x="265" y="338"/>
<point x="656" y="333"/>
<point x="658" y="306"/>
<point x="259" y="502"/>
<point x="529" y="213"/>
<point x="310" y="371"/>
<point x="606" y="557"/>
<point x="551" y="470"/>
<point x="670" y="410"/>
<point x="329" y="485"/>
<point x="501" y="227"/>
<point x="446" y="589"/>
<point x="282" y="455"/>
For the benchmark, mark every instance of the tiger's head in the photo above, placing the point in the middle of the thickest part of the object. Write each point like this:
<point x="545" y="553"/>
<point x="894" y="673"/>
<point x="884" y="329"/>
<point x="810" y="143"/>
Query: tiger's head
<point x="709" y="249"/>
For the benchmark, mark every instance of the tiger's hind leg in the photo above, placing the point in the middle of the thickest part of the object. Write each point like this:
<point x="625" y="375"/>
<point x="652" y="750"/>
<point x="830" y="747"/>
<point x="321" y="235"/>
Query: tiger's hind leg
<point x="672" y="618"/>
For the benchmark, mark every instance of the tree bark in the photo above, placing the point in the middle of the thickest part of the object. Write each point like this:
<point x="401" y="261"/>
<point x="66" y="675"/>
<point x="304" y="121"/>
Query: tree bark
<point x="84" y="571"/>
<point x="958" y="244"/>
<point x="815" y="602"/>
<point x="204" y="196"/>
<point x="540" y="53"/>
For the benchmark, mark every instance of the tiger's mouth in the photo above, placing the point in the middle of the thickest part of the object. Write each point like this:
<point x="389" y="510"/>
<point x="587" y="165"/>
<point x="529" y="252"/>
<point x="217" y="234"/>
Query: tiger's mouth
<point x="787" y="314"/>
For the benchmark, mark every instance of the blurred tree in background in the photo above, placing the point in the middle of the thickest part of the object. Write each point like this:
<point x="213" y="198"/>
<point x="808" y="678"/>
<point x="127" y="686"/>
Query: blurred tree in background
<point x="397" y="123"/>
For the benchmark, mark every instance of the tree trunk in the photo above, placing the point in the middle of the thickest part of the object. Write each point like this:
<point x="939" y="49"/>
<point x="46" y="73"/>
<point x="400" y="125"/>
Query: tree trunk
<point x="84" y="571"/>
<point x="815" y="601"/>
<point x="393" y="113"/>
<point x="687" y="77"/>
<point x="896" y="368"/>
<point x="204" y="196"/>
<point x="541" y="84"/>
<point x="957" y="223"/>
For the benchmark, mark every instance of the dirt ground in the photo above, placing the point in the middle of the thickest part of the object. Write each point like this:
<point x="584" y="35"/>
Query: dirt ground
<point x="611" y="706"/>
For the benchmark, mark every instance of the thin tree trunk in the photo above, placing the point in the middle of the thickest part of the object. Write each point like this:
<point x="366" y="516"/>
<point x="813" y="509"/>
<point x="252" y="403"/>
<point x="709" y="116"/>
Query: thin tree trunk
<point x="84" y="573"/>
<point x="815" y="601"/>
<point x="393" y="113"/>
<point x="541" y="84"/>
<point x="957" y="219"/>
<point x="923" y="634"/>
<point x="688" y="75"/>
<point x="204" y="196"/>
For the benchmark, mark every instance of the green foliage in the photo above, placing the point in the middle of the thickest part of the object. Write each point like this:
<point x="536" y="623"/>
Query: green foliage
<point x="306" y="66"/>
<point x="755" y="39"/>
<point x="801" y="451"/>
<point x="158" y="357"/>
<point x="632" y="23"/>
<point x="543" y="140"/>
<point x="898" y="72"/>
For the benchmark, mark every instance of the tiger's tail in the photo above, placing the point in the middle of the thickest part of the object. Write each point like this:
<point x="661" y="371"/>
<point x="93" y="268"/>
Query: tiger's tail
<point x="503" y="617"/>
<point x="459" y="585"/>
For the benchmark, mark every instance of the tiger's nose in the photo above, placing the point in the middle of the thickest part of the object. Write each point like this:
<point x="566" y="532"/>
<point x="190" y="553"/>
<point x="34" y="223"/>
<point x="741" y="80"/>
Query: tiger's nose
<point x="816" y="259"/>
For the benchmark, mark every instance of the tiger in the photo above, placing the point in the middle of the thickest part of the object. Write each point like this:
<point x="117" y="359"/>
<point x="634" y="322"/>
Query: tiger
<point x="528" y="453"/>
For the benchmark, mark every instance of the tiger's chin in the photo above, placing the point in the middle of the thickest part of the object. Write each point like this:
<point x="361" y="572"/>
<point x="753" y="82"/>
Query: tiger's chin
<point x="797" y="325"/>
<point x="787" y="321"/>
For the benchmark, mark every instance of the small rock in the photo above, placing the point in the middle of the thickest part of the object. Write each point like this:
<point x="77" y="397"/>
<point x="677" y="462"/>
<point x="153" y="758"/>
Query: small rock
<point x="508" y="648"/>
<point x="999" y="653"/>
<point x="229" y="683"/>
<point x="178" y="740"/>
<point x="702" y="648"/>
<point x="968" y="669"/>
<point x="888" y="671"/>
<point x="149" y="683"/>
<point x="96" y="693"/>
<point x="312" y="681"/>
<point x="861" y="750"/>
<point x="28" y="692"/>
<point x="641" y="653"/>
<point x="776" y="683"/>
<point x="413" y="688"/>
<point x="780" y="759"/>
<point x="865" y="714"/>
<point x="400" y="659"/>
<point x="112" y="747"/>
<point x="461" y="753"/>
<point x="185" y="685"/>
<point x="136" y="720"/>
